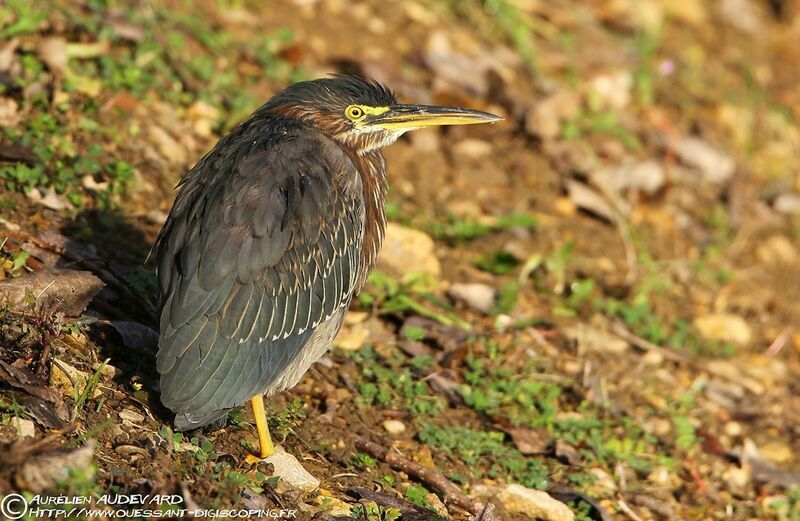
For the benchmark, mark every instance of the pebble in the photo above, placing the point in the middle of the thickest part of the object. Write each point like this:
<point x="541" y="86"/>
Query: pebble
<point x="394" y="426"/>
<point x="645" y="176"/>
<point x="62" y="375"/>
<point x="612" y="90"/>
<point x="169" y="149"/>
<point x="516" y="499"/>
<point x="725" y="327"/>
<point x="353" y="337"/>
<point x="131" y="416"/>
<point x="157" y="217"/>
<point x="53" y="51"/>
<point x="775" y="250"/>
<point x="472" y="148"/>
<point x="777" y="452"/>
<point x="406" y="250"/>
<point x="713" y="164"/>
<point x="733" y="429"/>
<point x="653" y="358"/>
<point x="593" y="339"/>
<point x="787" y="204"/>
<point x="25" y="428"/>
<point x="290" y="472"/>
<point x="546" y="118"/>
<point x="479" y="297"/>
<point x="9" y="112"/>
<point x="604" y="482"/>
<point x="45" y="471"/>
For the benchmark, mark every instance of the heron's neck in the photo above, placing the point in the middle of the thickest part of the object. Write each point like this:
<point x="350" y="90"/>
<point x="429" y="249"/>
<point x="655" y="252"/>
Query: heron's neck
<point x="372" y="168"/>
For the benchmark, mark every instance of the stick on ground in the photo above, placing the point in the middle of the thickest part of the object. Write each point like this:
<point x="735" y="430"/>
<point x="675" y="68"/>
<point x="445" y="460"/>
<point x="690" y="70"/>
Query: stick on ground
<point x="450" y="492"/>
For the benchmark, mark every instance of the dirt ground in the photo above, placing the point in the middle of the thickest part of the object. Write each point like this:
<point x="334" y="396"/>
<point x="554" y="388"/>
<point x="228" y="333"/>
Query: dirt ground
<point x="597" y="298"/>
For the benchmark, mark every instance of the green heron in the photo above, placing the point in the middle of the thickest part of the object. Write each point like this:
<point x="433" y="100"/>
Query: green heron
<point x="269" y="238"/>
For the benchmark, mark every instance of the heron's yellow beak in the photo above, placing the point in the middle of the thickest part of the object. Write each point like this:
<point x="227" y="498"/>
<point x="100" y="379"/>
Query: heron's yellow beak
<point x="409" y="117"/>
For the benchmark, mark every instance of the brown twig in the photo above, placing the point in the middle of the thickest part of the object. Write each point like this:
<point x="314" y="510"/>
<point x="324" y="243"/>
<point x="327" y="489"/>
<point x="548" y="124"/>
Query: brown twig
<point x="106" y="274"/>
<point x="450" y="492"/>
<point x="621" y="331"/>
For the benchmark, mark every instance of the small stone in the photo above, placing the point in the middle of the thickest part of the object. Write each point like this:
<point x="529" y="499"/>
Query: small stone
<point x="394" y="426"/>
<point x="472" y="148"/>
<point x="777" y="452"/>
<point x="156" y="217"/>
<point x="406" y="251"/>
<point x="167" y="146"/>
<point x="516" y="499"/>
<point x="48" y="198"/>
<point x="131" y="416"/>
<point x="291" y="473"/>
<point x="589" y="200"/>
<point x="53" y="51"/>
<point x="45" y="471"/>
<point x="787" y="204"/>
<point x="775" y="250"/>
<point x="90" y="184"/>
<point x="733" y="429"/>
<point x="593" y="339"/>
<point x="479" y="297"/>
<point x="9" y="112"/>
<point x="604" y="482"/>
<point x="662" y="477"/>
<point x="724" y="327"/>
<point x="25" y="427"/>
<point x="715" y="166"/>
<point x="547" y="117"/>
<point x="333" y="506"/>
<point x="612" y="91"/>
<point x="353" y="337"/>
<point x="653" y="358"/>
<point x="645" y="176"/>
<point x="62" y="376"/>
<point x="737" y="478"/>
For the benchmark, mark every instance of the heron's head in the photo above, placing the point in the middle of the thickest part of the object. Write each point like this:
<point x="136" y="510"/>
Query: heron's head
<point x="364" y="115"/>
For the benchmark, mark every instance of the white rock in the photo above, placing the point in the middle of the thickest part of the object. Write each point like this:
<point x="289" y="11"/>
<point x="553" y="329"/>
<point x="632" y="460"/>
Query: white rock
<point x="594" y="339"/>
<point x="725" y="327"/>
<point x="62" y="376"/>
<point x="352" y="337"/>
<point x="472" y="148"/>
<point x="776" y="249"/>
<point x="516" y="499"/>
<point x="9" y="112"/>
<point x="167" y="146"/>
<point x="131" y="416"/>
<point x="290" y="472"/>
<point x="612" y="90"/>
<point x="406" y="250"/>
<point x="53" y="51"/>
<point x="713" y="164"/>
<point x="25" y="428"/>
<point x="156" y="217"/>
<point x="646" y="176"/>
<point x="546" y="118"/>
<point x="479" y="297"/>
<point x="394" y="426"/>
<point x="787" y="204"/>
<point x="589" y="200"/>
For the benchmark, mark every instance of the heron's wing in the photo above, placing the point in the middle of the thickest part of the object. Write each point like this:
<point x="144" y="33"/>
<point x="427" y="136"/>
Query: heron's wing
<point x="262" y="246"/>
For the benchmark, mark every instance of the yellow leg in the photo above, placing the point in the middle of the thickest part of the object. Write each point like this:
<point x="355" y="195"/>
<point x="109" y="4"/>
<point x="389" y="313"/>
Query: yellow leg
<point x="264" y="439"/>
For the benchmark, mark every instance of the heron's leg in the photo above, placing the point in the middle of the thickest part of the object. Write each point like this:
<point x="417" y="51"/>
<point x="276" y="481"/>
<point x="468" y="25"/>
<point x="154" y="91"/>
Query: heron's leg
<point x="264" y="439"/>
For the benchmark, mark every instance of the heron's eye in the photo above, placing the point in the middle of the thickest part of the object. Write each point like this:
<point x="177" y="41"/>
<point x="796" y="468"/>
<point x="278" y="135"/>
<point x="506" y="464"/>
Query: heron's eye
<point x="354" y="112"/>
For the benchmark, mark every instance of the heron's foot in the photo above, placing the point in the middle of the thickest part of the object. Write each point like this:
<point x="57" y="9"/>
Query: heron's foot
<point x="266" y="447"/>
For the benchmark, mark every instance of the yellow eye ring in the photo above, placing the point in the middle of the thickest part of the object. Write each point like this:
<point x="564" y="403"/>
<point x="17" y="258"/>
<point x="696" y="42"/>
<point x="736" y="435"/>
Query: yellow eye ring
<point x="354" y="112"/>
